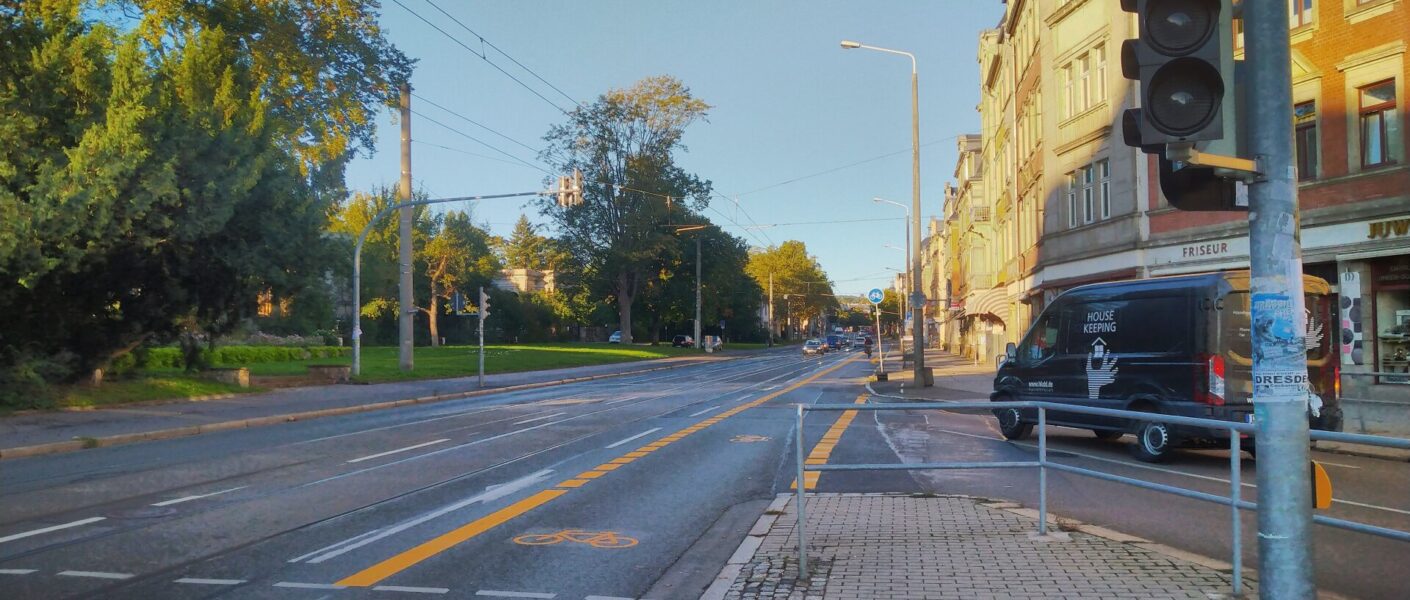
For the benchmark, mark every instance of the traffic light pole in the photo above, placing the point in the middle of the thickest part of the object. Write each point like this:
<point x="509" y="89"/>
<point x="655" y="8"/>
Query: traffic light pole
<point x="482" y="336"/>
<point x="1279" y="324"/>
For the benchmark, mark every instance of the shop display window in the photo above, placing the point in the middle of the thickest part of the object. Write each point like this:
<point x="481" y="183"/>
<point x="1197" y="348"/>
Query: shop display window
<point x="1391" y="312"/>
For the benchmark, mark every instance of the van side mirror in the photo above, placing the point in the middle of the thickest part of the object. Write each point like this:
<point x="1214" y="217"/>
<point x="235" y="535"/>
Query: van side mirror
<point x="1010" y="351"/>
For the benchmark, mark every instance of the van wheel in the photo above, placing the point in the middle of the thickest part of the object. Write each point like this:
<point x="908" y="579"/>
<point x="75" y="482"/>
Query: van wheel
<point x="1154" y="442"/>
<point x="1108" y="434"/>
<point x="1011" y="424"/>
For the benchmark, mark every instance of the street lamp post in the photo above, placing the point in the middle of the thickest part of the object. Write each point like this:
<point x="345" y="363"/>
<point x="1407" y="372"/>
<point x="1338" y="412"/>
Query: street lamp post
<point x="905" y="274"/>
<point x="682" y="229"/>
<point x="918" y="329"/>
<point x="907" y="249"/>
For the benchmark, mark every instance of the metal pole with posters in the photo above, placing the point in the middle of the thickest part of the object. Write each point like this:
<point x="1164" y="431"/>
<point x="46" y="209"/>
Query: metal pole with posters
<point x="1279" y="324"/>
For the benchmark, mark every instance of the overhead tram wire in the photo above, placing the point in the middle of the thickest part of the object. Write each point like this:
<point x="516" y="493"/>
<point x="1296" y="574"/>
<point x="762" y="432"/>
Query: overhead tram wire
<point x="475" y="154"/>
<point x="482" y="56"/>
<point x="462" y="117"/>
<point x="502" y="52"/>
<point x="839" y="168"/>
<point x="482" y="143"/>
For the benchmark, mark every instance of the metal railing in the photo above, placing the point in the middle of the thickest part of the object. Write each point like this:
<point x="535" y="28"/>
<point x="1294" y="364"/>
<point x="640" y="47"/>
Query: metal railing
<point x="1234" y="500"/>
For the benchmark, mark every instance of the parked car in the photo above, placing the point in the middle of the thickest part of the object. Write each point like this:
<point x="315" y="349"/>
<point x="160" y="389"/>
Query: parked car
<point x="1169" y="345"/>
<point x="683" y="341"/>
<point x="615" y="338"/>
<point x="812" y="347"/>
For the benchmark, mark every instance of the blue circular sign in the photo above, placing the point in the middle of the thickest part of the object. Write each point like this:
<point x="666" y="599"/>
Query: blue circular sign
<point x="875" y="296"/>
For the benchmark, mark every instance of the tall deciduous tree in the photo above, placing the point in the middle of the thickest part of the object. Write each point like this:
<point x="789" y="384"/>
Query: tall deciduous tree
<point x="625" y="144"/>
<point x="801" y="288"/>
<point x="457" y="259"/>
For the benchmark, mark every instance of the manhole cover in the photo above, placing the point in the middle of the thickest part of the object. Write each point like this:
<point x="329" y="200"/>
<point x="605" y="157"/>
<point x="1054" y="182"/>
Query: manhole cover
<point x="146" y="512"/>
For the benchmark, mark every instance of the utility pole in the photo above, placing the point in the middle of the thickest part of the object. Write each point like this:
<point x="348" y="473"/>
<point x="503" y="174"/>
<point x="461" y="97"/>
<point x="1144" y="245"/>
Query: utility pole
<point x="771" y="310"/>
<point x="699" y="343"/>
<point x="1279" y="324"/>
<point x="407" y="305"/>
<point x="913" y="244"/>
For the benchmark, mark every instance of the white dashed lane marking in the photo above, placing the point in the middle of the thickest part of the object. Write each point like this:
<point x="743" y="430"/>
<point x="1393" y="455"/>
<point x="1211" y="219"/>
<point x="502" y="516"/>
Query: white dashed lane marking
<point x="411" y="589"/>
<point x="96" y="574"/>
<point x="543" y="418"/>
<point x="20" y="536"/>
<point x="504" y="594"/>
<point x="200" y="581"/>
<point x="17" y="571"/>
<point x="398" y="450"/>
<point x="696" y="415"/>
<point x="639" y="435"/>
<point x="308" y="586"/>
<point x="196" y="497"/>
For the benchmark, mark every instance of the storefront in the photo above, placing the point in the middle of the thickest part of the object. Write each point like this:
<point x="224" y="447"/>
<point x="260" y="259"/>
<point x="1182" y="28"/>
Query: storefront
<point x="1375" y="316"/>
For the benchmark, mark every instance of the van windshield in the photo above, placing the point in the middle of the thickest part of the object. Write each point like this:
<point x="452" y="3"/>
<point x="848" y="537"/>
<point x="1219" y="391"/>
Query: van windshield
<point x="1236" y="318"/>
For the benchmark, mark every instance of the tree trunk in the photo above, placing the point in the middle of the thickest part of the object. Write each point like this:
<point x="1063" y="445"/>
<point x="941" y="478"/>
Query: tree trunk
<point x="435" y="323"/>
<point x="625" y="295"/>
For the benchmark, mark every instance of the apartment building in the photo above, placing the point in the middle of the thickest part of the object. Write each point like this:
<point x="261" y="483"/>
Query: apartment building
<point x="1070" y="204"/>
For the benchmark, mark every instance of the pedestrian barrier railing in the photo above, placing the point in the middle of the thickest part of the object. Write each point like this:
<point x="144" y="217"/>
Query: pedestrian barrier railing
<point x="1234" y="500"/>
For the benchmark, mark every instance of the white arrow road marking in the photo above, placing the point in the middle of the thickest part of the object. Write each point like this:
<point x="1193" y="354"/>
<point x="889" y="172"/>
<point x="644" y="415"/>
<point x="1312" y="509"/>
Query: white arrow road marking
<point x="17" y="536"/>
<point x="639" y="435"/>
<point x="399" y="450"/>
<point x="493" y="492"/>
<point x="539" y="418"/>
<point x="197" y="497"/>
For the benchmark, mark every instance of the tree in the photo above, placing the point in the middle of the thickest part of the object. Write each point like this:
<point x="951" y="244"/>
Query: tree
<point x="526" y="249"/>
<point x="625" y="144"/>
<point x="801" y="288"/>
<point x="457" y="259"/>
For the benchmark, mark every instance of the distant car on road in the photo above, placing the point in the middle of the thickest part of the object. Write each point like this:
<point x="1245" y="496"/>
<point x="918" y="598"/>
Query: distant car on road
<point x="811" y="347"/>
<point x="615" y="338"/>
<point x="683" y="341"/>
<point x="833" y="342"/>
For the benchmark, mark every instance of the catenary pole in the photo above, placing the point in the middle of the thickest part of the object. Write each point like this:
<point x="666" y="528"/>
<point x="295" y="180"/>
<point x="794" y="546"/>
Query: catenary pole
<point x="407" y="305"/>
<point x="1279" y="325"/>
<point x="917" y="297"/>
<point x="698" y="342"/>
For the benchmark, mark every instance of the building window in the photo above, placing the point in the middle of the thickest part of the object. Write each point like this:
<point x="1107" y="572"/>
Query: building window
<point x="1238" y="33"/>
<point x="1087" y="193"/>
<point x="1379" y="123"/>
<point x="1104" y="175"/>
<point x="1072" y="186"/>
<point x="1299" y="13"/>
<point x="1069" y="105"/>
<point x="1099" y="81"/>
<point x="1084" y="79"/>
<point x="1305" y="136"/>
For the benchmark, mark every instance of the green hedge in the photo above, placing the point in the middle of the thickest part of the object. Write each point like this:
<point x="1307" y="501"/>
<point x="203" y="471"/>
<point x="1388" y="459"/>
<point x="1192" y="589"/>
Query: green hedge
<point x="227" y="356"/>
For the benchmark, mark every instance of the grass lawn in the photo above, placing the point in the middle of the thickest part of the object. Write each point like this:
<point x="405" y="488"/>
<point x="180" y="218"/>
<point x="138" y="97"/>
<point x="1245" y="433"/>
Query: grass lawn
<point x="162" y="386"/>
<point x="379" y="363"/>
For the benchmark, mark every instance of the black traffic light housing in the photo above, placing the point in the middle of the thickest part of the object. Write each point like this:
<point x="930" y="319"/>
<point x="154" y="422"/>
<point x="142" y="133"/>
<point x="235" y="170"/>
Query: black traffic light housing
<point x="1189" y="99"/>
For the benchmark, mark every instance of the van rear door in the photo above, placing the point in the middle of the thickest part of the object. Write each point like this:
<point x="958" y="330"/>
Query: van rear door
<point x="1233" y="346"/>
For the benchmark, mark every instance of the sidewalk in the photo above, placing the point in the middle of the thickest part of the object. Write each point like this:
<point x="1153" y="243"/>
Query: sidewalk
<point x="959" y="379"/>
<point x="887" y="546"/>
<point x="36" y="433"/>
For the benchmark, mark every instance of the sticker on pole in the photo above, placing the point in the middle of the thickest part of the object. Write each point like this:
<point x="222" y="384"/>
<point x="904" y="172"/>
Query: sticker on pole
<point x="875" y="296"/>
<point x="1279" y="356"/>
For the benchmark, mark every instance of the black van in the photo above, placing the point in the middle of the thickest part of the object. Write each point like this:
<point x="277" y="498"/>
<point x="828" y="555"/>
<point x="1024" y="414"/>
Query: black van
<point x="1170" y="345"/>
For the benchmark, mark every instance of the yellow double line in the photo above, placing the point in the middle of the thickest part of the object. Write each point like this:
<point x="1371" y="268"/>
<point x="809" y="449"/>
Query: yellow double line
<point x="396" y="564"/>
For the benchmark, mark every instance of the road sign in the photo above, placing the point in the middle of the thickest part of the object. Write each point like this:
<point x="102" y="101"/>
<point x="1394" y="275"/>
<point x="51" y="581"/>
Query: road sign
<point x="875" y="296"/>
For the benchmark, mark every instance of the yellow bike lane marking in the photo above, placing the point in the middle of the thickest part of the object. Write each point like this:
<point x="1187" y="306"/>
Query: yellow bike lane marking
<point x="823" y="450"/>
<point x="376" y="573"/>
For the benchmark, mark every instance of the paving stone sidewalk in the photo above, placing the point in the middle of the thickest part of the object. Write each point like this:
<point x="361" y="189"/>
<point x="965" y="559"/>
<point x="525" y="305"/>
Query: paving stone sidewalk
<point x="886" y="546"/>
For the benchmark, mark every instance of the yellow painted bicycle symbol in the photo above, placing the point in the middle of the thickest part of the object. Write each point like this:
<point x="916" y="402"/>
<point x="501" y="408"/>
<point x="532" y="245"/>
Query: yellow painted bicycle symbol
<point x="596" y="539"/>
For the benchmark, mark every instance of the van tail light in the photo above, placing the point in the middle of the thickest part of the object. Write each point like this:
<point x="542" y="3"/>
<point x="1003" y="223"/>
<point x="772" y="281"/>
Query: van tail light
<point x="1211" y="368"/>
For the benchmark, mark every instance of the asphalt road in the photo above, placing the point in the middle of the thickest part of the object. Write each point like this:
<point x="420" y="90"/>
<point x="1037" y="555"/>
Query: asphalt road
<point x="600" y="489"/>
<point x="633" y="487"/>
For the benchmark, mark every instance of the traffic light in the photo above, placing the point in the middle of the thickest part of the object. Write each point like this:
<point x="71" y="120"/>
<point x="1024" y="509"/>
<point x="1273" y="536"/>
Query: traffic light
<point x="484" y="304"/>
<point x="1189" y="100"/>
<point x="570" y="190"/>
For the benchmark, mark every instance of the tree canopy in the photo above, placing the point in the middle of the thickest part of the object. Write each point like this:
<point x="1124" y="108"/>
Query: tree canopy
<point x="625" y="144"/>
<point x="801" y="288"/>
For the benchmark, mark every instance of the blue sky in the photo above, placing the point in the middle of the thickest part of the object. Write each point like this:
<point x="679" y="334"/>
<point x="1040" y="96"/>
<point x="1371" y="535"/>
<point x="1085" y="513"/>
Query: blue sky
<point x="788" y="103"/>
